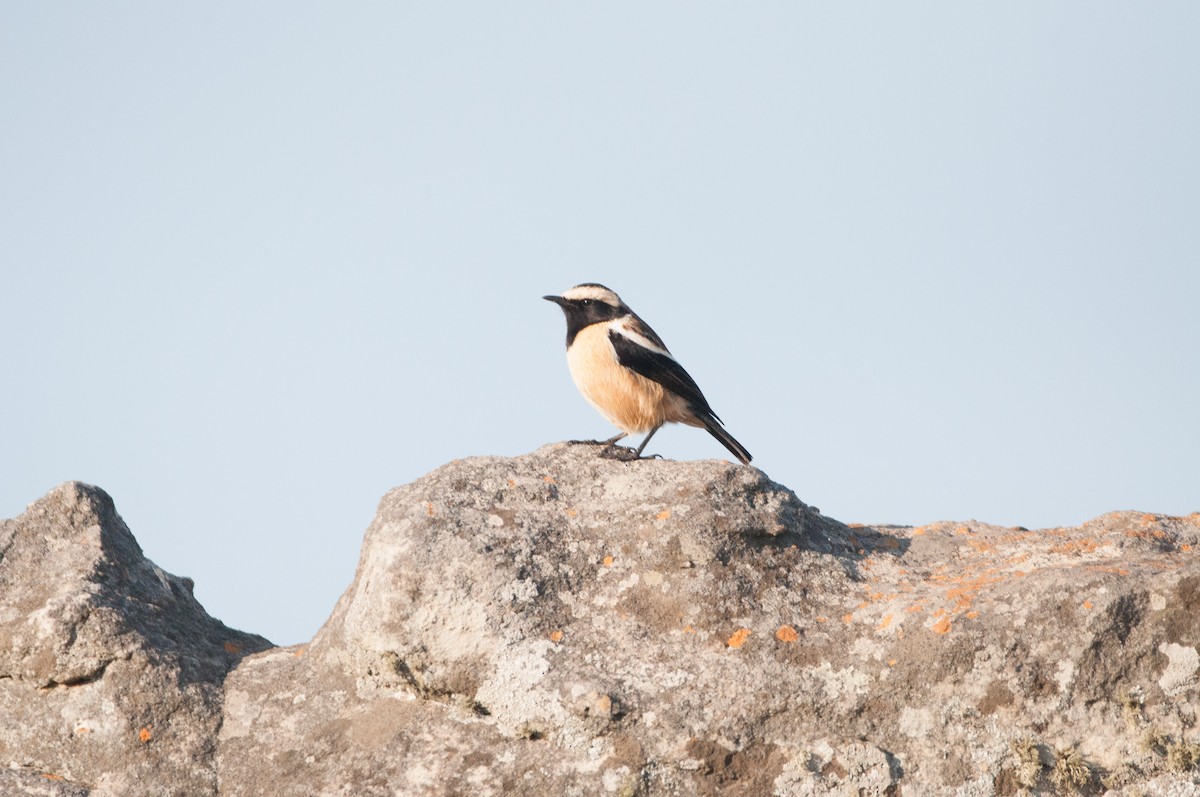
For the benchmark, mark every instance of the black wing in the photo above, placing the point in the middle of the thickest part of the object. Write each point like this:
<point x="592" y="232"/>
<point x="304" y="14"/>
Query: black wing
<point x="660" y="368"/>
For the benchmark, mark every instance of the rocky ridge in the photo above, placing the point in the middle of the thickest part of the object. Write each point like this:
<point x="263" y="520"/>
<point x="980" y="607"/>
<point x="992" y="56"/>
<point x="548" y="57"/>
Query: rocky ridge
<point x="563" y="624"/>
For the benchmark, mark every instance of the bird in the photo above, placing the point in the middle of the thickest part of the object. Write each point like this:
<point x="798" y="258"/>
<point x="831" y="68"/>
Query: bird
<point x="624" y="370"/>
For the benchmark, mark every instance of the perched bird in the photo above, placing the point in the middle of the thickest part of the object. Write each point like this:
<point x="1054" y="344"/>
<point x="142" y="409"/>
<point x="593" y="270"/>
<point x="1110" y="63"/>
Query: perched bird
<point x="624" y="370"/>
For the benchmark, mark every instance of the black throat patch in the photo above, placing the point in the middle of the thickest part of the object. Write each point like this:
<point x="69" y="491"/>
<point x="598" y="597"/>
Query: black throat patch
<point x="582" y="313"/>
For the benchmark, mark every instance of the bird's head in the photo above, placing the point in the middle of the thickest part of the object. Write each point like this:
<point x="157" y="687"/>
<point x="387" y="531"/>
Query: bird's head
<point x="587" y="304"/>
<point x="591" y="302"/>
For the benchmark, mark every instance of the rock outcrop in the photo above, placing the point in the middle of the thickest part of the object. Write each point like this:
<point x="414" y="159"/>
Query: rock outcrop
<point x="565" y="624"/>
<point x="111" y="674"/>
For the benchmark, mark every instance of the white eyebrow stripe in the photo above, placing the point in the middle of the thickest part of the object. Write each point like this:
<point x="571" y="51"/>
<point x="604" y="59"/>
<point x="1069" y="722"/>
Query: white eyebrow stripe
<point x="593" y="293"/>
<point x="626" y="327"/>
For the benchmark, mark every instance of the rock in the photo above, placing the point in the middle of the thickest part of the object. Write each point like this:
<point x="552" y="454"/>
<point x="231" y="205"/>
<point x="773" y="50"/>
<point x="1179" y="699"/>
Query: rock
<point x="694" y="628"/>
<point x="27" y="783"/>
<point x="111" y="673"/>
<point x="299" y="725"/>
<point x="564" y="624"/>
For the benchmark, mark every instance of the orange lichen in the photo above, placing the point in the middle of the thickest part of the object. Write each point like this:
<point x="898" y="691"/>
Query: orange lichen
<point x="786" y="633"/>
<point x="607" y="561"/>
<point x="919" y="530"/>
<point x="968" y="587"/>
<point x="916" y="607"/>
<point x="1147" y="534"/>
<point x="1120" y="571"/>
<point x="556" y="636"/>
<point x="821" y="619"/>
<point x="687" y="629"/>
<point x="885" y="622"/>
<point x="52" y="776"/>
<point x="848" y="617"/>
<point x="855" y="525"/>
<point x="1024" y="536"/>
<point x="942" y="626"/>
<point x="1076" y="546"/>
<point x="571" y="512"/>
<point x="972" y="615"/>
<point x="962" y="598"/>
<point x="429" y="509"/>
<point x="512" y="482"/>
<point x="962" y="530"/>
<point x="739" y="638"/>
<point x="982" y="546"/>
<point x="892" y="662"/>
<point x="298" y="652"/>
<point x="663" y="515"/>
<point x="549" y="480"/>
<point x="144" y="734"/>
<point x="1087" y="604"/>
<point x="1149" y="519"/>
<point x="82" y="729"/>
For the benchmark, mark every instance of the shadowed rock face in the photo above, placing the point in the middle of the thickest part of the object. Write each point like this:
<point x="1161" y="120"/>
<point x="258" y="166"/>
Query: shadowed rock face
<point x="563" y="624"/>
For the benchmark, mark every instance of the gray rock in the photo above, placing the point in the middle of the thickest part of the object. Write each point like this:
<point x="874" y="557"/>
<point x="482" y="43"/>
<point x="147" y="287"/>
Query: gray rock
<point x="694" y="628"/>
<point x="30" y="783"/>
<point x="299" y="725"/>
<point x="565" y="624"/>
<point x="110" y="672"/>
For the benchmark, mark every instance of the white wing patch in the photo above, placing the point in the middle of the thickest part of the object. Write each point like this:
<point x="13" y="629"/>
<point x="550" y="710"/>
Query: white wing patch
<point x="627" y="328"/>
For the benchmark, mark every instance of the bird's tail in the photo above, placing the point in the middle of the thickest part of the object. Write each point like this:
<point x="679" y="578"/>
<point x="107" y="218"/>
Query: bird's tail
<point x="715" y="428"/>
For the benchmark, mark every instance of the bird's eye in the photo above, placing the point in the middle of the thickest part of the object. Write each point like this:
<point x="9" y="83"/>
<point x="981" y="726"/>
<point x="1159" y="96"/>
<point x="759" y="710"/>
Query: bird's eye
<point x="585" y="302"/>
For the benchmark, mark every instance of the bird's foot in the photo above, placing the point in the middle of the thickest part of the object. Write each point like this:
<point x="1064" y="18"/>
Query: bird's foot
<point x="587" y="442"/>
<point x="620" y="453"/>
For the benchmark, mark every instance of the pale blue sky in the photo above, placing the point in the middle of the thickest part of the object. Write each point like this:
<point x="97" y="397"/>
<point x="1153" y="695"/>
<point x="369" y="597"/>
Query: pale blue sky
<point x="262" y="262"/>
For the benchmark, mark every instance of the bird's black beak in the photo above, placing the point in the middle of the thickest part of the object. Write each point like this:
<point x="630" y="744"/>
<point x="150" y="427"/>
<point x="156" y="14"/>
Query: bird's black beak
<point x="560" y="301"/>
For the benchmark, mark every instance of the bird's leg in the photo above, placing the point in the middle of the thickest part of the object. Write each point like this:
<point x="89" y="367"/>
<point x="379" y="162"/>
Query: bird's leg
<point x="609" y="443"/>
<point x="638" y="454"/>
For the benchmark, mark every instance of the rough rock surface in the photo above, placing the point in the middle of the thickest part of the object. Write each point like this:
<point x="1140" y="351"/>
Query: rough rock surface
<point x="564" y="624"/>
<point x="111" y="673"/>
